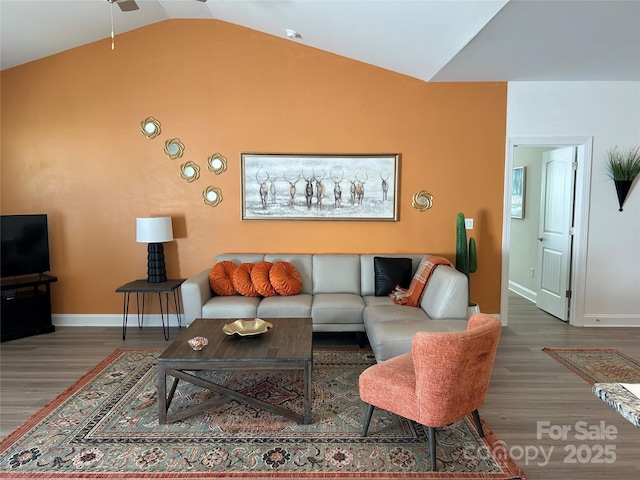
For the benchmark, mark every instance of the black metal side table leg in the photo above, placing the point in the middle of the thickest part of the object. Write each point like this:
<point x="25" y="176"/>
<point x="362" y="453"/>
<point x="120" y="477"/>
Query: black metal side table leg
<point x="177" y="306"/>
<point x="165" y="327"/>
<point x="125" y="314"/>
<point x="140" y="312"/>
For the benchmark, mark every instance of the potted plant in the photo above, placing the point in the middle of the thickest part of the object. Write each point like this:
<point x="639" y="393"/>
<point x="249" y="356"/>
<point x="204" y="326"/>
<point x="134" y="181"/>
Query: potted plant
<point x="623" y="167"/>
<point x="466" y="258"/>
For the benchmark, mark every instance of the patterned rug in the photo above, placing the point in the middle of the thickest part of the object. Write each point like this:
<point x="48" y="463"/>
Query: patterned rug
<point x="598" y="365"/>
<point x="106" y="426"/>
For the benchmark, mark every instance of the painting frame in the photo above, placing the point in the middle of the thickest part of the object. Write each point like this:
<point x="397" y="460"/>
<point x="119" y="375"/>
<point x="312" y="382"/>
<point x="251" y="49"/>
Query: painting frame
<point x="518" y="183"/>
<point x="276" y="186"/>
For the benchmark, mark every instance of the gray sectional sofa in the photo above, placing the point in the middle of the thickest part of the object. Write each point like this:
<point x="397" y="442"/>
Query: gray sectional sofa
<point x="338" y="293"/>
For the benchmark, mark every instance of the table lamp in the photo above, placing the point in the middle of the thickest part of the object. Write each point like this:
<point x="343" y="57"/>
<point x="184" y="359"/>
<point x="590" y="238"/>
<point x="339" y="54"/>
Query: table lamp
<point x="154" y="231"/>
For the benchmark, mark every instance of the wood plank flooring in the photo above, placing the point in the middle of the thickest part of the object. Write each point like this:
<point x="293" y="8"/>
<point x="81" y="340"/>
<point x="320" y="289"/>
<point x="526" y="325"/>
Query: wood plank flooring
<point x="529" y="390"/>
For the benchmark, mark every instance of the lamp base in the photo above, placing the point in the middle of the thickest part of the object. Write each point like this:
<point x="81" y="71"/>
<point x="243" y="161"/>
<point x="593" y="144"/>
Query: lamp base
<point x="156" y="269"/>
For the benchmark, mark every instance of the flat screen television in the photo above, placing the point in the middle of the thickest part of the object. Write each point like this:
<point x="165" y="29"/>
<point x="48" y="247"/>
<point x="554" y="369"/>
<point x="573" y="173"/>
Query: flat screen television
<point x="24" y="245"/>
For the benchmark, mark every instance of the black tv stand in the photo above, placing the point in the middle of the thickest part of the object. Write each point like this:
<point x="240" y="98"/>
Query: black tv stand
<point x="26" y="306"/>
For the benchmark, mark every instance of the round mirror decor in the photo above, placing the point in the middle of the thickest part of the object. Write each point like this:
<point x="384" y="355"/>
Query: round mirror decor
<point x="150" y="127"/>
<point x="217" y="164"/>
<point x="422" y="201"/>
<point x="212" y="196"/>
<point x="190" y="171"/>
<point x="173" y="148"/>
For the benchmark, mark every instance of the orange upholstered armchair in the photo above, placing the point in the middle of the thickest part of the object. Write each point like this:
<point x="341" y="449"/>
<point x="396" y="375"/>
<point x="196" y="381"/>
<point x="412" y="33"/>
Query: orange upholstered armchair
<point x="444" y="377"/>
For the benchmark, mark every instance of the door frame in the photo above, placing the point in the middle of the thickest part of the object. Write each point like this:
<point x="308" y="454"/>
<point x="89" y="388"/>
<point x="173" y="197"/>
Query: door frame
<point x="584" y="157"/>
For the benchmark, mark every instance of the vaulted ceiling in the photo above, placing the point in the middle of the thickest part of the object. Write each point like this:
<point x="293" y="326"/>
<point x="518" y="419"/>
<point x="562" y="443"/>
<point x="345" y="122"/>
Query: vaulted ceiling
<point x="432" y="40"/>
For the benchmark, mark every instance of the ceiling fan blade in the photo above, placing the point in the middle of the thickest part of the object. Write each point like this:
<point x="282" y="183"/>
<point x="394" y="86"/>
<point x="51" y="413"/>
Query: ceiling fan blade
<point x="127" y="5"/>
<point x="131" y="5"/>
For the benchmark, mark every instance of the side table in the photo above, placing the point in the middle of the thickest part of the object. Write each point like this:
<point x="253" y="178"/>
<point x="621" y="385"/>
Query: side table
<point x="141" y="288"/>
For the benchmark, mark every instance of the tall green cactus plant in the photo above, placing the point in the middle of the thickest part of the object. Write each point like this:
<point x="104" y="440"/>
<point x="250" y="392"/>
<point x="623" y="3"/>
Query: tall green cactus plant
<point x="466" y="255"/>
<point x="462" y="253"/>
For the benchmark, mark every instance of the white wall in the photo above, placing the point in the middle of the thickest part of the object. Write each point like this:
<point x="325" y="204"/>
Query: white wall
<point x="610" y="113"/>
<point x="523" y="255"/>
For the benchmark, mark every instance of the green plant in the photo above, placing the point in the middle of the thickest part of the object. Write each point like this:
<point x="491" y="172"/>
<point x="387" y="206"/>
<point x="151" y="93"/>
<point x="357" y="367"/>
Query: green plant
<point x="623" y="165"/>
<point x="466" y="255"/>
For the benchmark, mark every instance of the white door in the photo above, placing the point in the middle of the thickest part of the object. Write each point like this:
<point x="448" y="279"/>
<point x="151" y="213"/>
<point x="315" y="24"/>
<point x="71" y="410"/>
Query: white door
<point x="556" y="222"/>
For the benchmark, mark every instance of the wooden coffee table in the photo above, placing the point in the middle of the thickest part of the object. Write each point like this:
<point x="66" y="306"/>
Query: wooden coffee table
<point x="286" y="346"/>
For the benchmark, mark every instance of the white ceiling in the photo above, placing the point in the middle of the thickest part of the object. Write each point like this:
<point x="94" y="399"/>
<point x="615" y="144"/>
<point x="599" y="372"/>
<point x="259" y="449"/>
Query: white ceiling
<point x="432" y="40"/>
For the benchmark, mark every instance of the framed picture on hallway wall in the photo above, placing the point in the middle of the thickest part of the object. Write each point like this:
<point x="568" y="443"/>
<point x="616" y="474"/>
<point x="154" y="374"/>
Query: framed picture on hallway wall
<point x="319" y="187"/>
<point x="517" y="192"/>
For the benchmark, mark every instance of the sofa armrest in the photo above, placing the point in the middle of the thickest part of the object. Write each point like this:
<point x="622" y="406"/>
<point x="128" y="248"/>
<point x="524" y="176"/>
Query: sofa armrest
<point x="446" y="294"/>
<point x="195" y="293"/>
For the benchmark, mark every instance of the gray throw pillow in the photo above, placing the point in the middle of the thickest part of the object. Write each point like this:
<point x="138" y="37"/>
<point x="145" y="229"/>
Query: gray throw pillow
<point x="389" y="272"/>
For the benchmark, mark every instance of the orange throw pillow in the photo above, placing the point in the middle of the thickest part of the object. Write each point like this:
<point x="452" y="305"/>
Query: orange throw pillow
<point x="260" y="279"/>
<point x="285" y="278"/>
<point x="220" y="278"/>
<point x="241" y="278"/>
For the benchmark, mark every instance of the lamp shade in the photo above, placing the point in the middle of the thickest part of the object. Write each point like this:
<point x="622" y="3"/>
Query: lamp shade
<point x="154" y="230"/>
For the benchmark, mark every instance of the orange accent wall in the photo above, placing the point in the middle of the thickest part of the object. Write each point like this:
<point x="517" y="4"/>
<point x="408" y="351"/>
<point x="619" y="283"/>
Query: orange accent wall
<point x="72" y="148"/>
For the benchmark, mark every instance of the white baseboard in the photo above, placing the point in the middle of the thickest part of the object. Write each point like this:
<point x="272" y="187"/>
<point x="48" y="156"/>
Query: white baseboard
<point x="523" y="291"/>
<point x="611" y="321"/>
<point x="111" y="320"/>
<point x="589" y="320"/>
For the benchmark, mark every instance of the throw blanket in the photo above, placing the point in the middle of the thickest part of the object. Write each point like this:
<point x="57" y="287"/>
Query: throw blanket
<point x="412" y="296"/>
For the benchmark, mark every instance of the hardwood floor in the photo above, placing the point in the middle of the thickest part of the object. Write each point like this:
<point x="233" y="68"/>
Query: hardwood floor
<point x="529" y="390"/>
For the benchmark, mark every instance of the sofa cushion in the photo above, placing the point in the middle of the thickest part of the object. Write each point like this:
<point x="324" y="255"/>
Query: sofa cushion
<point x="260" y="279"/>
<point x="285" y="278"/>
<point x="233" y="307"/>
<point x="220" y="278"/>
<point x="294" y="306"/>
<point x="336" y="273"/>
<point x="389" y="272"/>
<point x="337" y="308"/>
<point x="241" y="278"/>
<point x="367" y="270"/>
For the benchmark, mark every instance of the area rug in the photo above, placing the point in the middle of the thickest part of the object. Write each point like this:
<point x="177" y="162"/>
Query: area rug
<point x="106" y="426"/>
<point x="598" y="365"/>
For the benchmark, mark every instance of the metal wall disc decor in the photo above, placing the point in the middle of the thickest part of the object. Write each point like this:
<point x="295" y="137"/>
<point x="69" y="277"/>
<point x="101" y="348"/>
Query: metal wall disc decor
<point x="173" y="148"/>
<point x="212" y="196"/>
<point x="422" y="201"/>
<point x="189" y="171"/>
<point x="150" y="127"/>
<point x="217" y="164"/>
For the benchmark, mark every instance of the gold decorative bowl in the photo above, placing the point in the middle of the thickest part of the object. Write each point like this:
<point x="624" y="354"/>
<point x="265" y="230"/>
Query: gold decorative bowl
<point x="247" y="328"/>
<point x="198" y="343"/>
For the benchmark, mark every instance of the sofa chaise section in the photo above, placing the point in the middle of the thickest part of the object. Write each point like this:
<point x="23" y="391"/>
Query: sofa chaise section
<point x="390" y="328"/>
